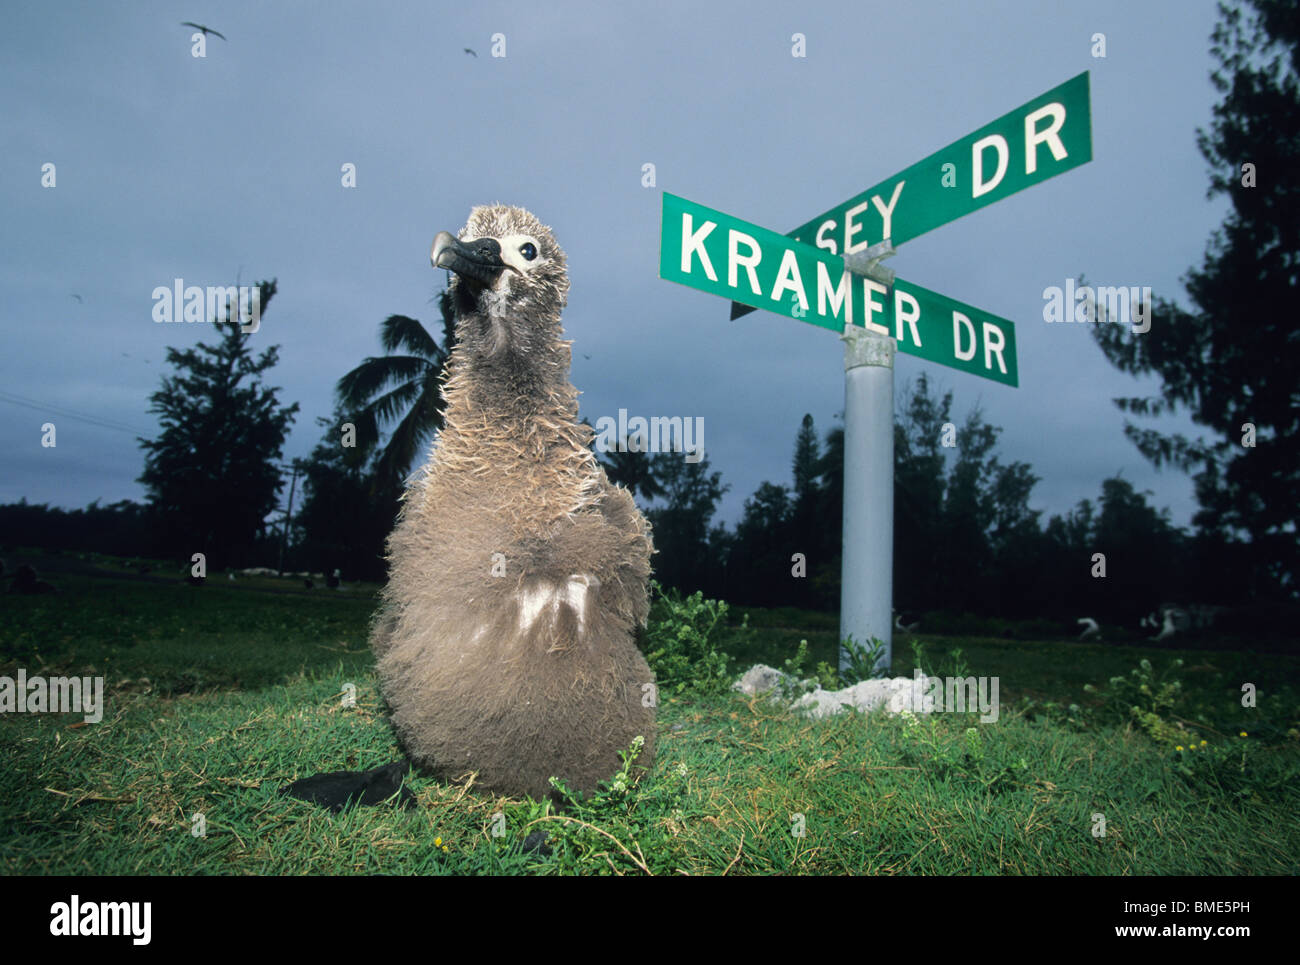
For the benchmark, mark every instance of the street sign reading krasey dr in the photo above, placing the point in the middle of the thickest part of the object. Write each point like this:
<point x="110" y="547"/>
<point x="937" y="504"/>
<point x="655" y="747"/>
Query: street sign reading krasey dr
<point x="723" y="255"/>
<point x="1039" y="140"/>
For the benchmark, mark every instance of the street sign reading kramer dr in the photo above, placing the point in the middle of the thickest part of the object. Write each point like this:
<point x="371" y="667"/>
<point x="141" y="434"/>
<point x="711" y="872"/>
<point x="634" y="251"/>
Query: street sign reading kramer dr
<point x="723" y="255"/>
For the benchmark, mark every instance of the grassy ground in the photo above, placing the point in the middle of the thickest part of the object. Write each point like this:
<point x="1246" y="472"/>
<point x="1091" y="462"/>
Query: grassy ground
<point x="217" y="696"/>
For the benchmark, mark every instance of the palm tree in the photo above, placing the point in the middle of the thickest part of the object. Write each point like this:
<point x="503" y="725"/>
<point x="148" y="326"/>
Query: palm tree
<point x="380" y="390"/>
<point x="634" y="471"/>
<point x="631" y="469"/>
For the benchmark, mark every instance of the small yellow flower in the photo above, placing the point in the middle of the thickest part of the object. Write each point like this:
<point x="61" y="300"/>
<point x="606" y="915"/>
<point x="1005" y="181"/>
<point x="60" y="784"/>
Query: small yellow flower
<point x="1179" y="747"/>
<point x="437" y="842"/>
<point x="1243" y="733"/>
<point x="1204" y="742"/>
<point x="444" y="848"/>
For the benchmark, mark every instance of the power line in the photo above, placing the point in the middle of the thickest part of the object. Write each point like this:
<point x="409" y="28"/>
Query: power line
<point x="65" y="412"/>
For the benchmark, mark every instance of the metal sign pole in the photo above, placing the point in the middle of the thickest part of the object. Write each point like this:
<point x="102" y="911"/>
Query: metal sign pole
<point x="867" y="552"/>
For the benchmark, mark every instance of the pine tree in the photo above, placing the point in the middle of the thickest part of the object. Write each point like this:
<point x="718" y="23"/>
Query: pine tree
<point x="1230" y="362"/>
<point x="212" y="474"/>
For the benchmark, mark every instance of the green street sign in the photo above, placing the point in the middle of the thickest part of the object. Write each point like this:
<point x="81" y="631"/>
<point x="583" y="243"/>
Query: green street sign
<point x="1039" y="140"/>
<point x="722" y="255"/>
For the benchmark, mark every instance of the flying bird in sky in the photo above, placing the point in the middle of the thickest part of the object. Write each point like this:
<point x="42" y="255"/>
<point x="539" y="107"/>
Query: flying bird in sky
<point x="199" y="26"/>
<point x="470" y="52"/>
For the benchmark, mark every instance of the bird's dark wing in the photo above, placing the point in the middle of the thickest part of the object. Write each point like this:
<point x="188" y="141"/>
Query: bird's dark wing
<point x="206" y="30"/>
<point x="338" y="789"/>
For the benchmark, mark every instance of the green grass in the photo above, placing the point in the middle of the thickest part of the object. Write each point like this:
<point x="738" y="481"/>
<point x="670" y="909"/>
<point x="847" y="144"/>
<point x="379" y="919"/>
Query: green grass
<point x="220" y="695"/>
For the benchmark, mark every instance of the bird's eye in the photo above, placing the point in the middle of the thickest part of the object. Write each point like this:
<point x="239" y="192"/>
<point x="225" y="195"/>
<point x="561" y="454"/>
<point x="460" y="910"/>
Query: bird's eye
<point x="528" y="250"/>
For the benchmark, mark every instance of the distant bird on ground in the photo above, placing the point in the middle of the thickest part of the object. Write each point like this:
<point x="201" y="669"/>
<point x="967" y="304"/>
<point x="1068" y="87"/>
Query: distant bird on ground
<point x="1090" y="628"/>
<point x="1168" y="629"/>
<point x="199" y="26"/>
<point x="505" y="641"/>
<point x="26" y="581"/>
<point x="909" y="628"/>
<point x="470" y="52"/>
<point x="1149" y="621"/>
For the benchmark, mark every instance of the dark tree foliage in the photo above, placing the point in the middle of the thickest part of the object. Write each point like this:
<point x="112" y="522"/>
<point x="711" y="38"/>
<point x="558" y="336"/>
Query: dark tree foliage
<point x="632" y="470"/>
<point x="403" y="386"/>
<point x="1231" y="359"/>
<point x="920" y="486"/>
<point x="808" y="512"/>
<point x="824" y="571"/>
<point x="780" y="522"/>
<point x="347" y="512"/>
<point x="212" y="474"/>
<point x="1146" y="559"/>
<point x="766" y="538"/>
<point x="807" y="459"/>
<point x="1019" y="583"/>
<point x="1065" y="586"/>
<point x="965" y="538"/>
<point x="123" y="528"/>
<point x="684" y="557"/>
<point x="967" y="542"/>
<point x="1140" y="544"/>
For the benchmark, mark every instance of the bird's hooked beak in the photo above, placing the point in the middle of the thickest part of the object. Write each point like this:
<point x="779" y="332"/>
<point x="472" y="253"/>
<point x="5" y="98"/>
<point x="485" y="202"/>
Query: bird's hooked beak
<point x="478" y="260"/>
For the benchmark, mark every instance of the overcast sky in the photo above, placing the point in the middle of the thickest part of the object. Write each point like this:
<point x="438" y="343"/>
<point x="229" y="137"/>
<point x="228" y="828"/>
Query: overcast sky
<point x="171" y="166"/>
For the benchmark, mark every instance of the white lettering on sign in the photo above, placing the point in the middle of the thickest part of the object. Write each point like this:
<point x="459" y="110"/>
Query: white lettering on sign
<point x="978" y="184"/>
<point x="960" y="323"/>
<point x="908" y="315"/>
<point x="869" y="287"/>
<point x="1034" y="138"/>
<point x="886" y="214"/>
<point x="850" y="229"/>
<point x="789" y="279"/>
<point x="827" y="243"/>
<point x="734" y="260"/>
<point x="994" y="343"/>
<point x="695" y="243"/>
<point x="835" y="297"/>
<point x="843" y="295"/>
<point x="853" y="227"/>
